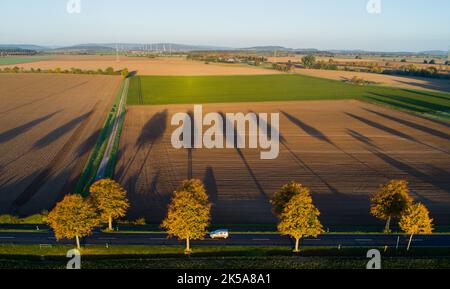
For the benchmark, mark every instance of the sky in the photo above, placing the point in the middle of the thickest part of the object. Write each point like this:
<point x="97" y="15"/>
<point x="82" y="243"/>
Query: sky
<point x="401" y="25"/>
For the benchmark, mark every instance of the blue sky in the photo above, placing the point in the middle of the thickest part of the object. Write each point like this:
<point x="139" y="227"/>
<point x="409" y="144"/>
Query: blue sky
<point x="402" y="25"/>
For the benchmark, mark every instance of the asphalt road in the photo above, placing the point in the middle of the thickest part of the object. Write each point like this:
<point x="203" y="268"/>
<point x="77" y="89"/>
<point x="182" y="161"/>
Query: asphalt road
<point x="250" y="239"/>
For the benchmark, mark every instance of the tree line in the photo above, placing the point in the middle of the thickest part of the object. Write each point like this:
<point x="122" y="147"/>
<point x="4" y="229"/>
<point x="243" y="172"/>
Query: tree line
<point x="189" y="212"/>
<point x="108" y="71"/>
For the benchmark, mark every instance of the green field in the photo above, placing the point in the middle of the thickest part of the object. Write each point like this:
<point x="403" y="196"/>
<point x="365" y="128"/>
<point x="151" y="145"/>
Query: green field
<point x="10" y="60"/>
<point x="154" y="90"/>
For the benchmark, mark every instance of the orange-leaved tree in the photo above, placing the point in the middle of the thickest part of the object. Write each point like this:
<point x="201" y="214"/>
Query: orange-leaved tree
<point x="300" y="218"/>
<point x="189" y="213"/>
<point x="390" y="201"/>
<point x="110" y="198"/>
<point x="284" y="195"/>
<point x="73" y="217"/>
<point x="416" y="220"/>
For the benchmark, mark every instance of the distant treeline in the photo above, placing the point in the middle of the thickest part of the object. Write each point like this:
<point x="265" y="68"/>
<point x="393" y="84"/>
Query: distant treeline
<point x="406" y="70"/>
<point x="16" y="52"/>
<point x="108" y="71"/>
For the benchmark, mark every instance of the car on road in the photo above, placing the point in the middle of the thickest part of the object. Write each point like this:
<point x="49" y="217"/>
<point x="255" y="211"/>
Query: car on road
<point x="219" y="234"/>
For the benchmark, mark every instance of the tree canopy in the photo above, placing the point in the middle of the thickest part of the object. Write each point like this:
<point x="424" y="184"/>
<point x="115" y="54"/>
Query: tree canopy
<point x="284" y="195"/>
<point x="300" y="218"/>
<point x="416" y="220"/>
<point x="110" y="199"/>
<point x="73" y="217"/>
<point x="390" y="201"/>
<point x="189" y="213"/>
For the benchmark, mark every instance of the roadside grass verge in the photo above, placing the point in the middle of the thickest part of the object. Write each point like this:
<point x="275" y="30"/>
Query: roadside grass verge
<point x="88" y="175"/>
<point x="237" y="257"/>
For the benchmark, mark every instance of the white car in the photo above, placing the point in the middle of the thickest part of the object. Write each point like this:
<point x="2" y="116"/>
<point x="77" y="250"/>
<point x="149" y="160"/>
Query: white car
<point x="219" y="234"/>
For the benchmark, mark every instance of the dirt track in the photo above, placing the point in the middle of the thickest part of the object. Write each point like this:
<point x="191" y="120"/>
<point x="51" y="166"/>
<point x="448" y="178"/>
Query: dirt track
<point x="48" y="124"/>
<point x="147" y="66"/>
<point x="343" y="150"/>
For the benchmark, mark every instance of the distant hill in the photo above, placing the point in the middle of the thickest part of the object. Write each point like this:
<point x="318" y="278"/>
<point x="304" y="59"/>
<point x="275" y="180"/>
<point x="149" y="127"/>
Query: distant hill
<point x="84" y="48"/>
<point x="267" y="48"/>
<point x="23" y="46"/>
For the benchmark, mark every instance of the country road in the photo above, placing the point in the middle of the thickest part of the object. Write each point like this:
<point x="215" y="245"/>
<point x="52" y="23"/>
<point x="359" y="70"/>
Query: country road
<point x="107" y="154"/>
<point x="238" y="239"/>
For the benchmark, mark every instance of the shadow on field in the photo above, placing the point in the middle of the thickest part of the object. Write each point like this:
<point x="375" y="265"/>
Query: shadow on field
<point x="307" y="128"/>
<point x="238" y="139"/>
<point x="60" y="131"/>
<point x="412" y="124"/>
<point x="151" y="132"/>
<point x="392" y="131"/>
<point x="15" y="132"/>
<point x="413" y="104"/>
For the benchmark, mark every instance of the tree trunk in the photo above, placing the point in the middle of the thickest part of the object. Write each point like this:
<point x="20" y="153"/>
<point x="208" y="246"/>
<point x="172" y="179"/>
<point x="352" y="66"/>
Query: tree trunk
<point x="388" y="224"/>
<point x="78" y="242"/>
<point x="297" y="241"/>
<point x="110" y="223"/>
<point x="188" y="246"/>
<point x="410" y="241"/>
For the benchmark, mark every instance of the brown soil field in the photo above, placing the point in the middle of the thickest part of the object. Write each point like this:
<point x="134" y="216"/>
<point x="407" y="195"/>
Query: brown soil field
<point x="48" y="126"/>
<point x="146" y="66"/>
<point x="342" y="150"/>
<point x="388" y="80"/>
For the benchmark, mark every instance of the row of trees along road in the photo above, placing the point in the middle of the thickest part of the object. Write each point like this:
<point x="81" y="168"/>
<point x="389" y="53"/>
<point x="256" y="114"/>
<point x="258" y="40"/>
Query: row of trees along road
<point x="189" y="213"/>
<point x="393" y="201"/>
<point x="76" y="217"/>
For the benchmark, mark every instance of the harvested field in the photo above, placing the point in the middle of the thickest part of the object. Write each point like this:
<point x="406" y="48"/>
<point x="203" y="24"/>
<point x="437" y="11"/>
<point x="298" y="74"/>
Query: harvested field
<point x="48" y="125"/>
<point x="147" y="66"/>
<point x="342" y="149"/>
<point x="388" y="80"/>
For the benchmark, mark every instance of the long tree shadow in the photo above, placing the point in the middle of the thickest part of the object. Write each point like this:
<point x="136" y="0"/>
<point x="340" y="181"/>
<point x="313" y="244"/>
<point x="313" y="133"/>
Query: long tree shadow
<point x="307" y="128"/>
<point x="15" y="132"/>
<point x="151" y="132"/>
<point x="409" y="170"/>
<point x="427" y="94"/>
<point x="44" y="98"/>
<point x="209" y="180"/>
<point x="412" y="124"/>
<point x="416" y="102"/>
<point x="60" y="131"/>
<point x="298" y="160"/>
<point x="392" y="131"/>
<point x="238" y="139"/>
<point x="313" y="132"/>
<point x="362" y="138"/>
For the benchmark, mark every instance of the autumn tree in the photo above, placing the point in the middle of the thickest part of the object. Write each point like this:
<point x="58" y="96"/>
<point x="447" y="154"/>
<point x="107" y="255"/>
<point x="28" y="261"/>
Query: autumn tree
<point x="110" y="199"/>
<point x="390" y="201"/>
<point x="73" y="217"/>
<point x="416" y="220"/>
<point x="300" y="218"/>
<point x="189" y="213"/>
<point x="284" y="195"/>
